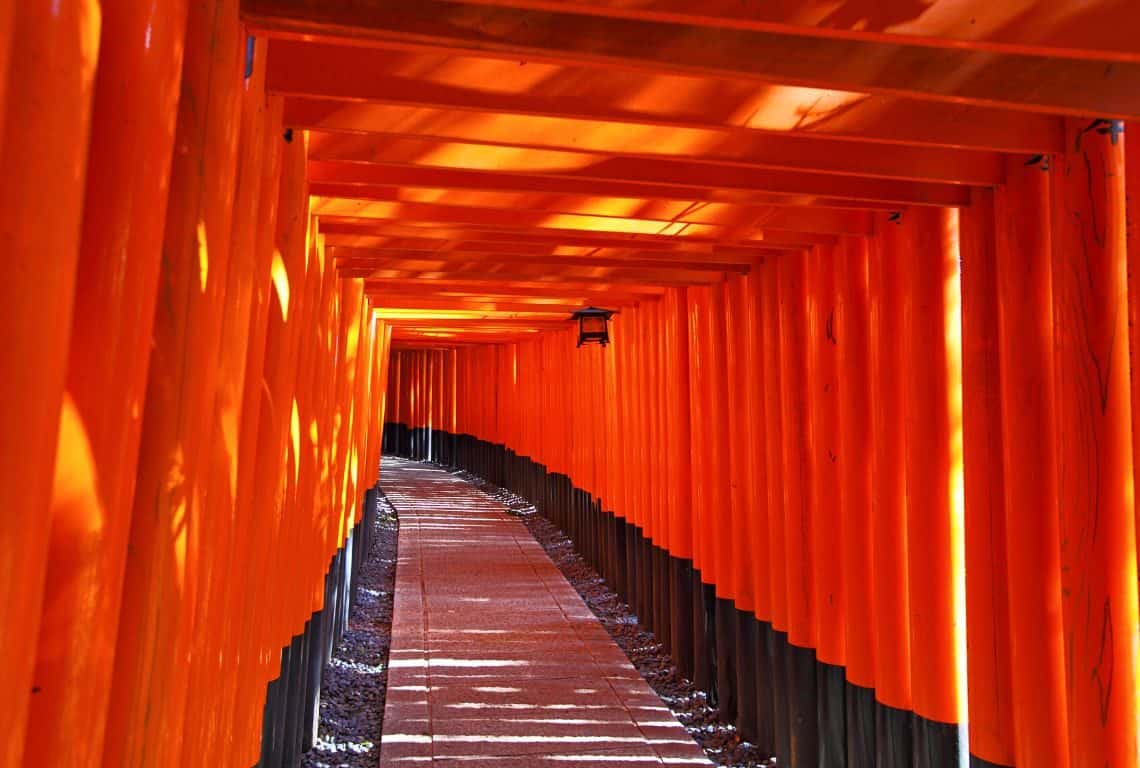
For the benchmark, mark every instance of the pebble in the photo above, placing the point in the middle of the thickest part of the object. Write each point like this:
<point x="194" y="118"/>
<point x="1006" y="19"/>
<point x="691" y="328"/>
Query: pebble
<point x="355" y="680"/>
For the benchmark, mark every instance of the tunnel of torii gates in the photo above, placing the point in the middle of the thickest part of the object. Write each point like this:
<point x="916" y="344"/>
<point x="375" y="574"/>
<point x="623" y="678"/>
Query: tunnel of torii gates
<point x="860" y="451"/>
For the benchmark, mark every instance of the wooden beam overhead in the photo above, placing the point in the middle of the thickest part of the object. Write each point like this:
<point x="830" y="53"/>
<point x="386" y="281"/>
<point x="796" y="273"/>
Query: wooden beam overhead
<point x="416" y="183"/>
<point x="369" y="219"/>
<point x="388" y="259"/>
<point x="794" y="187"/>
<point x="383" y="234"/>
<point x="567" y="143"/>
<point x="471" y="304"/>
<point x="1078" y="86"/>
<point x="622" y="96"/>
<point x="521" y="272"/>
<point x="499" y="287"/>
<point x="1093" y="29"/>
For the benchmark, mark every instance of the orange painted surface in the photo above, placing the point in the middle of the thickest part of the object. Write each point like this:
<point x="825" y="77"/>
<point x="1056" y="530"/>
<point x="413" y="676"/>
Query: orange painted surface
<point x="796" y="408"/>
<point x="1132" y="230"/>
<point x="755" y="470"/>
<point x="721" y="565"/>
<point x="856" y="451"/>
<point x="50" y="62"/>
<point x="828" y="521"/>
<point x="1030" y="460"/>
<point x="220" y="285"/>
<point x="740" y="435"/>
<point x="987" y="596"/>
<point x="932" y="348"/>
<point x="699" y="378"/>
<point x="118" y="270"/>
<point x="169" y="571"/>
<point x="889" y="502"/>
<point x="1095" y="481"/>
<point x="773" y="439"/>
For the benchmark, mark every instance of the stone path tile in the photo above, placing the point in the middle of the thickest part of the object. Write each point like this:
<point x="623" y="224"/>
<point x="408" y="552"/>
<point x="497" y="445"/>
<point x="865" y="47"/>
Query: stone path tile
<point x="495" y="659"/>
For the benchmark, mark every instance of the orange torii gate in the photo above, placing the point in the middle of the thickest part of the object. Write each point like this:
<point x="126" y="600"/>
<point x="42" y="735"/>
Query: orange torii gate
<point x="862" y="450"/>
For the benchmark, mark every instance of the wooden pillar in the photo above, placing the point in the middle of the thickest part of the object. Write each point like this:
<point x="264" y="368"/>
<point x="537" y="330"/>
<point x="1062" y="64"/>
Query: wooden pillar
<point x="856" y="449"/>
<point x="119" y="256"/>
<point x="798" y="493"/>
<point x="1132" y="225"/>
<point x="250" y="693"/>
<point x="891" y="597"/>
<point x="50" y="76"/>
<point x="698" y="375"/>
<point x="932" y="348"/>
<point x="828" y="520"/>
<point x="773" y="436"/>
<point x="718" y="527"/>
<point x="1095" y="488"/>
<point x="169" y="566"/>
<point x="755" y="458"/>
<point x="987" y="619"/>
<point x="1029" y="445"/>
<point x="739" y="466"/>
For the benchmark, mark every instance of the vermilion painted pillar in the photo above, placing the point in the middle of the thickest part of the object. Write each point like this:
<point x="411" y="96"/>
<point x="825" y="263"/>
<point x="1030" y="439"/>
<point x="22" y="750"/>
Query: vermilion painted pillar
<point x="798" y="505"/>
<point x="129" y="166"/>
<point x="856" y="449"/>
<point x="249" y="693"/>
<point x="758" y="634"/>
<point x="891" y="597"/>
<point x="828" y="520"/>
<point x="719" y="519"/>
<point x="987" y="621"/>
<point x="736" y="370"/>
<point x="1096" y="485"/>
<point x="166" y="556"/>
<point x="247" y="735"/>
<point x="698" y="373"/>
<point x="681" y="513"/>
<point x="932" y="346"/>
<point x="768" y="275"/>
<point x="7" y="12"/>
<point x="206" y="730"/>
<point x="50" y="76"/>
<point x="1132" y="225"/>
<point x="773" y="436"/>
<point x="275" y="399"/>
<point x="1029" y="444"/>
<point x="726" y="570"/>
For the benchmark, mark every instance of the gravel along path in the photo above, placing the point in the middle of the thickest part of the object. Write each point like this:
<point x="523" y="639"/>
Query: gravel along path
<point x="352" y="694"/>
<point x="718" y="738"/>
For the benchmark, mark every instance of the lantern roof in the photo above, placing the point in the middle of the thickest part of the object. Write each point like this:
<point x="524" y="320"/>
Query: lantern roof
<point x="593" y="312"/>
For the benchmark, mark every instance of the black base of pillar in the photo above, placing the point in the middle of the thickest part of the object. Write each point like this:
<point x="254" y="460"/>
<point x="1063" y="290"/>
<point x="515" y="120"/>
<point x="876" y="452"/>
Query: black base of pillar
<point x="937" y="745"/>
<point x="894" y="737"/>
<point x="746" y="661"/>
<point x="726" y="680"/>
<point x="781" y="697"/>
<point x="860" y="705"/>
<point x="831" y="690"/>
<point x="803" y="709"/>
<point x="681" y="618"/>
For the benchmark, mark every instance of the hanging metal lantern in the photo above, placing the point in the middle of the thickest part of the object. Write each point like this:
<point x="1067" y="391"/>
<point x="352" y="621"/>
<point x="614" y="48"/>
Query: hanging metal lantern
<point x="593" y="325"/>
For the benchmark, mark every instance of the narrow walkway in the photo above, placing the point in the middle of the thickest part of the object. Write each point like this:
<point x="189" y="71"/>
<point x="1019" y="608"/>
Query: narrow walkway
<point x="495" y="659"/>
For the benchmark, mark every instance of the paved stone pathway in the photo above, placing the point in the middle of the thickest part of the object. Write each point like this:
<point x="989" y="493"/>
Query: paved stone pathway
<point x="495" y="660"/>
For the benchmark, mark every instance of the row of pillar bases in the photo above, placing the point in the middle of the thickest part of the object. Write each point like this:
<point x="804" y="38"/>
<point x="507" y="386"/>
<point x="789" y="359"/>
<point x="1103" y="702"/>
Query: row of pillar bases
<point x="291" y="713"/>
<point x="779" y="696"/>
